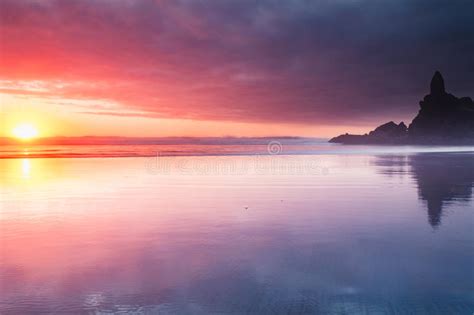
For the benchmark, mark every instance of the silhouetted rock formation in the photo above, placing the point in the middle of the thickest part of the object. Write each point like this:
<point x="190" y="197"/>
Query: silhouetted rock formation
<point x="390" y="129"/>
<point x="437" y="84"/>
<point x="442" y="119"/>
<point x="387" y="133"/>
<point x="443" y="115"/>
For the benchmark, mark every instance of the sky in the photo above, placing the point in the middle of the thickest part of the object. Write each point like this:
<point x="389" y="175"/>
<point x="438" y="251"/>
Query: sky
<point x="227" y="68"/>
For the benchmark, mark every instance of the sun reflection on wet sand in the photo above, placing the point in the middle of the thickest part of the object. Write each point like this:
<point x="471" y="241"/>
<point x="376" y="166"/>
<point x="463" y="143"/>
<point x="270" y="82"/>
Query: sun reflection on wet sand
<point x="25" y="168"/>
<point x="27" y="172"/>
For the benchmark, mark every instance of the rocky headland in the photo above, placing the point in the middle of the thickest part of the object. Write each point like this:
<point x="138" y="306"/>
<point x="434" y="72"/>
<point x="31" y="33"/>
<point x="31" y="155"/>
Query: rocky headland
<point x="443" y="119"/>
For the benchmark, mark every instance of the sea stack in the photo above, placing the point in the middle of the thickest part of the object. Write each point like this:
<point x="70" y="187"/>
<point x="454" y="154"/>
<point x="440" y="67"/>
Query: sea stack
<point x="442" y="119"/>
<point x="443" y="116"/>
<point x="437" y="84"/>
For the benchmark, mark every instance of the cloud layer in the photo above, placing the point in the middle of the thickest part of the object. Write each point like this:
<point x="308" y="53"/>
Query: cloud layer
<point x="330" y="62"/>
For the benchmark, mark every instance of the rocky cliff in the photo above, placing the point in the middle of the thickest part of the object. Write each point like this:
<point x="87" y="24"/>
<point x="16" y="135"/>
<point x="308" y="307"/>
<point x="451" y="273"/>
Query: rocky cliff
<point x="443" y="119"/>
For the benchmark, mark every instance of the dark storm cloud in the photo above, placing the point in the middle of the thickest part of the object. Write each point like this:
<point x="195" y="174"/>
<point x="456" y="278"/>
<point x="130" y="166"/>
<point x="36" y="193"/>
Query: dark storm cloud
<point x="337" y="61"/>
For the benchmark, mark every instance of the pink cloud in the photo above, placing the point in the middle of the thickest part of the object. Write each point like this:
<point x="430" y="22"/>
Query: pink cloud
<point x="237" y="61"/>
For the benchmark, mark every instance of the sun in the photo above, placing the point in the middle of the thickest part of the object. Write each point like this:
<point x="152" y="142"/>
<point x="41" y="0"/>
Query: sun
<point x="25" y="131"/>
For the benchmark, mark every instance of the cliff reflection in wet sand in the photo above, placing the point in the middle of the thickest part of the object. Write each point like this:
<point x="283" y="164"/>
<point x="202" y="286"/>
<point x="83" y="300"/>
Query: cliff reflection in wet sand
<point x="441" y="178"/>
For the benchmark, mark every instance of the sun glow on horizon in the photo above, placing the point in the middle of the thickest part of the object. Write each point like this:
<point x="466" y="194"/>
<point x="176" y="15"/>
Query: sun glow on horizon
<point x="25" y="131"/>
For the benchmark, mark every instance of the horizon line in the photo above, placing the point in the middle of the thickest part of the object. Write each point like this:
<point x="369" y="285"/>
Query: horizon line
<point x="170" y="140"/>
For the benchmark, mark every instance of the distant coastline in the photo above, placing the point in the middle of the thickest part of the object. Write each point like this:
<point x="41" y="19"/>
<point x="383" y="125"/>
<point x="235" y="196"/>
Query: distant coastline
<point x="112" y="140"/>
